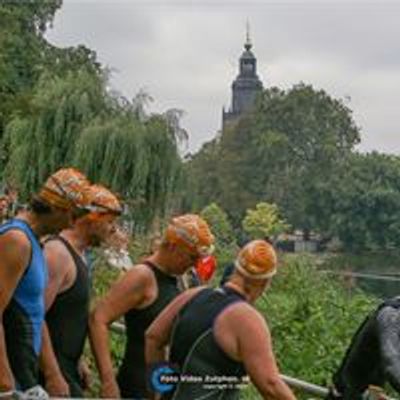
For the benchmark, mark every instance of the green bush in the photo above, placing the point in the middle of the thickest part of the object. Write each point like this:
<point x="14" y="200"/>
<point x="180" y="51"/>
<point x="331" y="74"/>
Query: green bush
<point x="225" y="241"/>
<point x="312" y="319"/>
<point x="102" y="278"/>
<point x="264" y="221"/>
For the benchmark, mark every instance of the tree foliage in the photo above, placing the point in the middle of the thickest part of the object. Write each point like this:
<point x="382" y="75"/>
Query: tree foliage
<point x="27" y="59"/>
<point x="137" y="159"/>
<point x="280" y="153"/>
<point x="22" y="25"/>
<point x="219" y="222"/>
<point x="56" y="109"/>
<point x="225" y="240"/>
<point x="264" y="221"/>
<point x="203" y="182"/>
<point x="43" y="140"/>
<point x="75" y="121"/>
<point x="311" y="332"/>
<point x="364" y="202"/>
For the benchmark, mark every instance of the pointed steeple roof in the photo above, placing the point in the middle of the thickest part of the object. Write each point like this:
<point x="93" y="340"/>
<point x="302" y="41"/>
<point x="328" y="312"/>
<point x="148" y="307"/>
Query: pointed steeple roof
<point x="247" y="53"/>
<point x="248" y="45"/>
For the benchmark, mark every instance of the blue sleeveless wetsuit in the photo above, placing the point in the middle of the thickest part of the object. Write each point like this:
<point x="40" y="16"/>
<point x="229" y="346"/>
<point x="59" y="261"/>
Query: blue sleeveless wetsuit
<point x="23" y="317"/>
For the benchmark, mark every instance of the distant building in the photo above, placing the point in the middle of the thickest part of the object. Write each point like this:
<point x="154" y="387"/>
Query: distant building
<point x="244" y="88"/>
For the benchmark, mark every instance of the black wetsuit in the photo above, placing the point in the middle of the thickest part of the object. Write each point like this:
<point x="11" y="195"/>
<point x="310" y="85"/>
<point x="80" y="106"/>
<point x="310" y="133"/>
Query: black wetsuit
<point x="195" y="352"/>
<point x="67" y="320"/>
<point x="132" y="373"/>
<point x="373" y="356"/>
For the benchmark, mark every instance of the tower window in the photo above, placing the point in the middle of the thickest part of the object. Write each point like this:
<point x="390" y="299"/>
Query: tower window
<point x="247" y="66"/>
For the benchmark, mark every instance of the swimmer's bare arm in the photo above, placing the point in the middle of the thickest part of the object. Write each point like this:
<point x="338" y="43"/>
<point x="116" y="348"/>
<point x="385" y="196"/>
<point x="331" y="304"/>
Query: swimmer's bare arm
<point x="127" y="293"/>
<point x="255" y="351"/>
<point x="15" y="251"/>
<point x="159" y="332"/>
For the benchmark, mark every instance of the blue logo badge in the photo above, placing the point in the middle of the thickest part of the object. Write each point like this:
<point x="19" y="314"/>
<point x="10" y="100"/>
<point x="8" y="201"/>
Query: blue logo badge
<point x="163" y="378"/>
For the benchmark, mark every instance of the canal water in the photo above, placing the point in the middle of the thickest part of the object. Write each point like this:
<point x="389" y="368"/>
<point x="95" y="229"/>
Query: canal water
<point x="377" y="274"/>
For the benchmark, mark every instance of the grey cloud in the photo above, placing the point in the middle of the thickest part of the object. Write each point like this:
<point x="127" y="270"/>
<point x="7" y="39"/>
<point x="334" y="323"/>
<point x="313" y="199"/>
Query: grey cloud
<point x="186" y="52"/>
<point x="106" y="24"/>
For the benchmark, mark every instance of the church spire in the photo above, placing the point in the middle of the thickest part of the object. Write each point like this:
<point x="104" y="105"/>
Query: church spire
<point x="246" y="85"/>
<point x="248" y="44"/>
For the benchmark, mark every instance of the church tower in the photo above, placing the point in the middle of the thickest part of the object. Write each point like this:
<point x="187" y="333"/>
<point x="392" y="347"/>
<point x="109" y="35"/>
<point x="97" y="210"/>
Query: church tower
<point x="245" y="87"/>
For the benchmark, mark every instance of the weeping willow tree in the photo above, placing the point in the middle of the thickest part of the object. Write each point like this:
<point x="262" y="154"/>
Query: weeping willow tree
<point x="138" y="159"/>
<point x="76" y="121"/>
<point x="44" y="139"/>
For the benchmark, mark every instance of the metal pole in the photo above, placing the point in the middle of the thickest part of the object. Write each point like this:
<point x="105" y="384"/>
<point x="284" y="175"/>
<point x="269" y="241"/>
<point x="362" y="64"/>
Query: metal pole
<point x="118" y="327"/>
<point x="304" y="386"/>
<point x="390" y="278"/>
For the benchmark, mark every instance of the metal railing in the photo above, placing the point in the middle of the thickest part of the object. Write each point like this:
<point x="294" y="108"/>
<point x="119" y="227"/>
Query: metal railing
<point x="306" y="387"/>
<point x="351" y="274"/>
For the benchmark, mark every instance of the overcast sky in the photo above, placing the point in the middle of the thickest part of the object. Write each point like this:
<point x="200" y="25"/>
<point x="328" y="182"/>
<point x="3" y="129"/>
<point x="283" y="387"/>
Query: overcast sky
<point x="185" y="54"/>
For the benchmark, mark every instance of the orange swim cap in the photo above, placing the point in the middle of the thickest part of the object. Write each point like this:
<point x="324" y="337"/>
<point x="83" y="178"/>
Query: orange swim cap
<point x="257" y="260"/>
<point x="191" y="232"/>
<point x="103" y="201"/>
<point x="65" y="189"/>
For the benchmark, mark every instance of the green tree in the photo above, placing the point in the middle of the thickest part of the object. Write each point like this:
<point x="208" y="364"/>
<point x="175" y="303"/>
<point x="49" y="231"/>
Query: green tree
<point x="56" y="110"/>
<point x="219" y="223"/>
<point x="22" y="25"/>
<point x="364" y="202"/>
<point x="75" y="121"/>
<point x="225" y="240"/>
<point x="309" y="135"/>
<point x="139" y="159"/>
<point x="43" y="140"/>
<point x="26" y="56"/>
<point x="238" y="188"/>
<point x="202" y="176"/>
<point x="281" y="153"/>
<point x="264" y="221"/>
